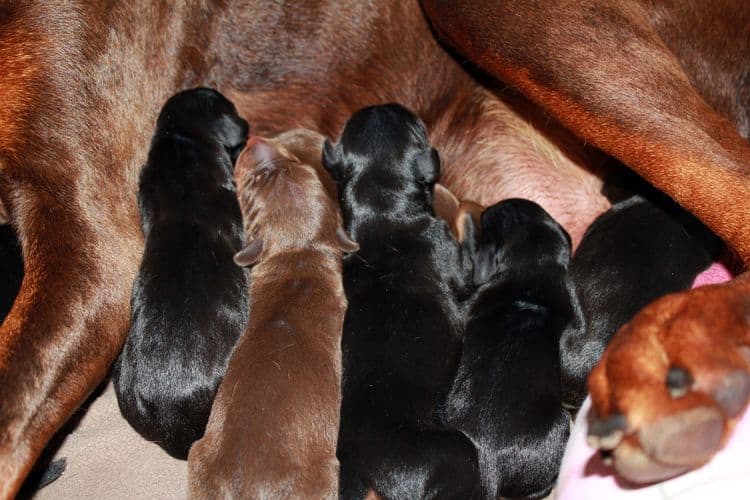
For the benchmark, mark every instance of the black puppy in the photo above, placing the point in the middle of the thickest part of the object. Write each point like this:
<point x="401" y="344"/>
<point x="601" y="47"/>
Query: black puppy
<point x="189" y="303"/>
<point x="644" y="247"/>
<point x="402" y="331"/>
<point x="507" y="395"/>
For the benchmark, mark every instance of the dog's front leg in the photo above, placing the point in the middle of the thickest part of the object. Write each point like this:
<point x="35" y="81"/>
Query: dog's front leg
<point x="80" y="89"/>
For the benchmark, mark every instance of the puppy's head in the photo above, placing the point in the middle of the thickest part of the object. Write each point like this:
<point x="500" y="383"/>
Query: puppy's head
<point x="284" y="203"/>
<point x="518" y="233"/>
<point x="383" y="161"/>
<point x="307" y="146"/>
<point x="206" y="116"/>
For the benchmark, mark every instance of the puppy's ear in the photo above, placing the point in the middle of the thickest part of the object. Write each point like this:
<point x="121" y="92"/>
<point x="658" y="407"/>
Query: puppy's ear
<point x="468" y="233"/>
<point x="332" y="160"/>
<point x="346" y="244"/>
<point x="445" y="204"/>
<point x="250" y="254"/>
<point x="427" y="165"/>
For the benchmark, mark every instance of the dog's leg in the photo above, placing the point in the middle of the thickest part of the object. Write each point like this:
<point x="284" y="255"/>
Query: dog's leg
<point x="674" y="380"/>
<point x="79" y="94"/>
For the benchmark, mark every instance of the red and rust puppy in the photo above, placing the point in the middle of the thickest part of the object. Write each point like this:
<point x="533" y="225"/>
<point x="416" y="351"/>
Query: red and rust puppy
<point x="273" y="426"/>
<point x="463" y="217"/>
<point x="662" y="86"/>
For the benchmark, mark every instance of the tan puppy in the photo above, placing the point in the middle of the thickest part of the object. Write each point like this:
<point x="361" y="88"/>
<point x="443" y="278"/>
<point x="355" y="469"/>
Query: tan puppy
<point x="273" y="426"/>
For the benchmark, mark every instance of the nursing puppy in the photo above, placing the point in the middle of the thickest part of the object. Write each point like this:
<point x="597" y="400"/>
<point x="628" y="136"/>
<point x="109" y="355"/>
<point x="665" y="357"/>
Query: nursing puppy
<point x="189" y="302"/>
<point x="644" y="247"/>
<point x="507" y="395"/>
<point x="403" y="328"/>
<point x="273" y="426"/>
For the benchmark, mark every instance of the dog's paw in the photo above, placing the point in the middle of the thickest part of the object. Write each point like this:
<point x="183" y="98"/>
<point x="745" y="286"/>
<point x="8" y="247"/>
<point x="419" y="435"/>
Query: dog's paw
<point x="672" y="382"/>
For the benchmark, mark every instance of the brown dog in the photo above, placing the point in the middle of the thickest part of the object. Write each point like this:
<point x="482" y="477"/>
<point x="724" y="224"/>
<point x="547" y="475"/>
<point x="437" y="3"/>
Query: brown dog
<point x="274" y="423"/>
<point x="81" y="87"/>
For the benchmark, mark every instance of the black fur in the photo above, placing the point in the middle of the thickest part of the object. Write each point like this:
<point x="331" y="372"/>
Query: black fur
<point x="189" y="302"/>
<point x="403" y="327"/>
<point x="11" y="269"/>
<point x="642" y="248"/>
<point x="507" y="395"/>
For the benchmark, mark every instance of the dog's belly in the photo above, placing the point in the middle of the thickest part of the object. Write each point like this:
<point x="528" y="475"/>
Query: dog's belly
<point x="514" y="155"/>
<point x="490" y="150"/>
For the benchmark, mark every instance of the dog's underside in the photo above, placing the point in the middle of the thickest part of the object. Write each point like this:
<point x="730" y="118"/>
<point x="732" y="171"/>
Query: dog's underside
<point x="652" y="86"/>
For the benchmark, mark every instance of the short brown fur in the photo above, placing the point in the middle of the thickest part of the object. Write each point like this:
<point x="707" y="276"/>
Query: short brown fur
<point x="274" y="423"/>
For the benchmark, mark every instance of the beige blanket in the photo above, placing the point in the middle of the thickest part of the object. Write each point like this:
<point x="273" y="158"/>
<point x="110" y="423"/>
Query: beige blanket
<point x="106" y="458"/>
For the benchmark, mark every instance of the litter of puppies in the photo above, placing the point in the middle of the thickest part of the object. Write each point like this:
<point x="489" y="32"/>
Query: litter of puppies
<point x="445" y="376"/>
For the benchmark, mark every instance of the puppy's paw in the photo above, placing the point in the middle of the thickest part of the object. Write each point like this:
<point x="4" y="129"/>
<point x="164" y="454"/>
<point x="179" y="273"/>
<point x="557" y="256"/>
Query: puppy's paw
<point x="672" y="382"/>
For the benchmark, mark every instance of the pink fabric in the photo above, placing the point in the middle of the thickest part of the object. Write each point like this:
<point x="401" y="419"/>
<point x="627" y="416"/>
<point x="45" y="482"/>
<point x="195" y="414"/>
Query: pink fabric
<point x="584" y="477"/>
<point x="717" y="273"/>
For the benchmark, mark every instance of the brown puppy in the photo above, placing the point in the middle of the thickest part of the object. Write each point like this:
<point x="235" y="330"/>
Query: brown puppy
<point x="273" y="426"/>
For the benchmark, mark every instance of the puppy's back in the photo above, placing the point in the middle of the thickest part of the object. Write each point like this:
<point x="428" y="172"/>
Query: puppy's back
<point x="273" y="427"/>
<point x="507" y="395"/>
<point x="189" y="300"/>
<point x="642" y="248"/>
<point x="403" y="326"/>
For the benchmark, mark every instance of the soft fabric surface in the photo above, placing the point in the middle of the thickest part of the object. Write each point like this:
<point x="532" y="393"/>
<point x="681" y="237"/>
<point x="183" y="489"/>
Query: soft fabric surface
<point x="105" y="458"/>
<point x="584" y="477"/>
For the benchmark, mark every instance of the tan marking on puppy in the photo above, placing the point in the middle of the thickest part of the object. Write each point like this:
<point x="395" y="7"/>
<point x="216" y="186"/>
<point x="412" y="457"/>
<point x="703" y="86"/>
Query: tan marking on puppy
<point x="274" y="423"/>
<point x="455" y="212"/>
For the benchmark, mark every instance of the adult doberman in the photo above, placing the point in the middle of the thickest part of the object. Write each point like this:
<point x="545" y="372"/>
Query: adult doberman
<point x="81" y="86"/>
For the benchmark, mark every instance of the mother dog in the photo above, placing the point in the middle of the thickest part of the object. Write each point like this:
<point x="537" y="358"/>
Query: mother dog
<point x="80" y="87"/>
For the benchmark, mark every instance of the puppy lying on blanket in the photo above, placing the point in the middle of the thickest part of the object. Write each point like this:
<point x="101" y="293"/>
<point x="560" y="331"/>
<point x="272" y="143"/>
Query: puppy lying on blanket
<point x="403" y="328"/>
<point x="273" y="426"/>
<point x="507" y="395"/>
<point x="189" y="301"/>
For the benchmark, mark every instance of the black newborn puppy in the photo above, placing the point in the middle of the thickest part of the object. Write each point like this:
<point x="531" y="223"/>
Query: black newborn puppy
<point x="402" y="331"/>
<point x="507" y="395"/>
<point x="189" y="302"/>
<point x="642" y="248"/>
